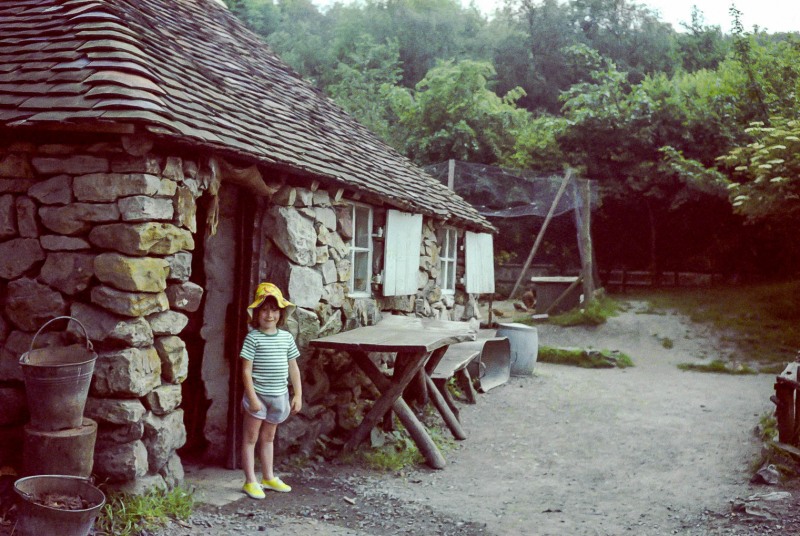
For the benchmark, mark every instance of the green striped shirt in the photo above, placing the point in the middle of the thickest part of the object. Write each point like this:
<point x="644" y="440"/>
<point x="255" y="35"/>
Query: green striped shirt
<point x="270" y="355"/>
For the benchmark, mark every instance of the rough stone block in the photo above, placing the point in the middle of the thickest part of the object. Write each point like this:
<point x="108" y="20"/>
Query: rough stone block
<point x="8" y="217"/>
<point x="26" y="217"/>
<point x="144" y="208"/>
<point x="110" y="330"/>
<point x="167" y="322"/>
<point x="18" y="255"/>
<point x="294" y="234"/>
<point x="128" y="372"/>
<point x="135" y="274"/>
<point x="77" y="218"/>
<point x="142" y="238"/>
<point x="180" y="266"/>
<point x="29" y="304"/>
<point x="55" y="191"/>
<point x="68" y="272"/>
<point x="109" y="187"/>
<point x="114" y="410"/>
<point x="174" y="358"/>
<point x="120" y="463"/>
<point x="129" y="303"/>
<point x="185" y="296"/>
<point x="162" y="436"/>
<point x="164" y="399"/>
<point x="73" y="165"/>
<point x="63" y="243"/>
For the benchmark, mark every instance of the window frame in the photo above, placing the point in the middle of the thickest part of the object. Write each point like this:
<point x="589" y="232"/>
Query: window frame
<point x="354" y="250"/>
<point x="447" y="234"/>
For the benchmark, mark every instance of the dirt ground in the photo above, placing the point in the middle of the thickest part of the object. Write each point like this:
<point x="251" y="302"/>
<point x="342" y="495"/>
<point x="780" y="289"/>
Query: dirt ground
<point x="649" y="450"/>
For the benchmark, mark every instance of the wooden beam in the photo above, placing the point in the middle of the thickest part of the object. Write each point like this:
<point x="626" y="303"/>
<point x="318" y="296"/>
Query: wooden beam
<point x="585" y="239"/>
<point x="567" y="177"/>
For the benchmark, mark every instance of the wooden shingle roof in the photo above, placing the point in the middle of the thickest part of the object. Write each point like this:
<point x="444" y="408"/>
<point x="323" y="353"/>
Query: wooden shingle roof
<point x="189" y="70"/>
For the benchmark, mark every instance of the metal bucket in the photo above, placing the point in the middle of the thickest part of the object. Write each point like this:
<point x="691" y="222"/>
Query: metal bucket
<point x="36" y="519"/>
<point x="57" y="382"/>
<point x="524" y="342"/>
<point x="495" y="366"/>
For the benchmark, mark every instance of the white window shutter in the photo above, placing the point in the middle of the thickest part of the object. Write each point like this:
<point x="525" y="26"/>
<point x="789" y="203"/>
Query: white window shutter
<point x="479" y="263"/>
<point x="403" y="239"/>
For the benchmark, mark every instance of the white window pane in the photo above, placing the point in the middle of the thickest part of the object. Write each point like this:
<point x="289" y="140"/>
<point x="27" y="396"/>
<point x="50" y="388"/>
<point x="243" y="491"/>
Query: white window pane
<point x="362" y="231"/>
<point x="360" y="271"/>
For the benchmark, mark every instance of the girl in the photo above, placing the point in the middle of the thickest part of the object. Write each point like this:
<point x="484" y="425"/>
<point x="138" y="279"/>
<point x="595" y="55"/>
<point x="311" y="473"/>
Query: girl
<point x="270" y="358"/>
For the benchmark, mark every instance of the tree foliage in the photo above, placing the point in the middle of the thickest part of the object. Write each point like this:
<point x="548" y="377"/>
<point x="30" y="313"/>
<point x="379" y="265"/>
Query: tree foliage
<point x="690" y="132"/>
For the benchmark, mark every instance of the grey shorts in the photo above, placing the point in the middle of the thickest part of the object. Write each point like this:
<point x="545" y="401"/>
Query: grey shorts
<point x="274" y="409"/>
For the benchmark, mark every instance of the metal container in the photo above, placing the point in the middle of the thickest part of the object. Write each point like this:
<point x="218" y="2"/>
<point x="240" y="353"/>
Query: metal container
<point x="524" y="341"/>
<point x="36" y="519"/>
<point x="57" y="382"/>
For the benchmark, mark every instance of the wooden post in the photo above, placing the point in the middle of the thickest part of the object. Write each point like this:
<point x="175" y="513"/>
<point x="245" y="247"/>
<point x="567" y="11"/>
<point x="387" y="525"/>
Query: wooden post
<point x="784" y="412"/>
<point x="586" y="241"/>
<point x="444" y="410"/>
<point x="539" y="237"/>
<point x="451" y="174"/>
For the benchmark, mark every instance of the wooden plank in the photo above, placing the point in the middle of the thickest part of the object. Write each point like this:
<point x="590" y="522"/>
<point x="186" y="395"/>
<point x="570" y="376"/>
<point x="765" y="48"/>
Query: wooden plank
<point x="456" y="358"/>
<point x="392" y="339"/>
<point x="563" y="295"/>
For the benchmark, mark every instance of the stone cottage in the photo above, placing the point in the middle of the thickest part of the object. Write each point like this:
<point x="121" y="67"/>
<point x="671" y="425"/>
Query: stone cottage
<point x="156" y="162"/>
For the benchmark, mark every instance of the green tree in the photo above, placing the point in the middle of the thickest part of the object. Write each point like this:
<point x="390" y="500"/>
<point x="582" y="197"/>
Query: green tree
<point x="361" y="80"/>
<point x="452" y="113"/>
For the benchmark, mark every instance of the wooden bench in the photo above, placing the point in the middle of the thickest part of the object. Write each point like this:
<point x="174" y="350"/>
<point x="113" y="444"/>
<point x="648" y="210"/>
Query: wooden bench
<point x="454" y="364"/>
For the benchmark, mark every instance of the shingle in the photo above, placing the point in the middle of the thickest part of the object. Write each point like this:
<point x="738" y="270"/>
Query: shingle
<point x="189" y="69"/>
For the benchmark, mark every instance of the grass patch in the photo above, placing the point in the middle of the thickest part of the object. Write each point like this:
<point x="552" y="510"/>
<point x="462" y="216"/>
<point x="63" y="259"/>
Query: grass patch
<point x="394" y="451"/>
<point x="762" y="320"/>
<point x="718" y="367"/>
<point x="578" y="357"/>
<point x="129" y="515"/>
<point x="594" y="314"/>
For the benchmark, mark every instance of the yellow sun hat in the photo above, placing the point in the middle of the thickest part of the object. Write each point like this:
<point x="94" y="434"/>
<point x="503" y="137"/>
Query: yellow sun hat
<point x="268" y="289"/>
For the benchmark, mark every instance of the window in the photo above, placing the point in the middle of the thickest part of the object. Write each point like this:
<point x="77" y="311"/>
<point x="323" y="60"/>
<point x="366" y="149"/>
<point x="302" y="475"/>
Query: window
<point x="448" y="240"/>
<point x="361" y="251"/>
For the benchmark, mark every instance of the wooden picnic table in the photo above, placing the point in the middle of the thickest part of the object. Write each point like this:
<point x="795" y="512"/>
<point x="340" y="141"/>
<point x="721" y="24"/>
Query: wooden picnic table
<point x="419" y="344"/>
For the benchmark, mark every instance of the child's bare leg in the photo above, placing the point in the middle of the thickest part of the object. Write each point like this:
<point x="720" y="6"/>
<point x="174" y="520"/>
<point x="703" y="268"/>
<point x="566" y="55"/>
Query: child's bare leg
<point x="250" y="433"/>
<point x="267" y="449"/>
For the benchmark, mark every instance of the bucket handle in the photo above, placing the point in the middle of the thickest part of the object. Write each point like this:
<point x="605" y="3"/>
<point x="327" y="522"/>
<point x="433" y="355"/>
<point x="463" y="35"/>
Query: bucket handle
<point x="85" y="334"/>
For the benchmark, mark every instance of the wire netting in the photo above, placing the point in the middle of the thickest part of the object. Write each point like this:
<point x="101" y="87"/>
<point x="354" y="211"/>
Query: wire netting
<point x="504" y="193"/>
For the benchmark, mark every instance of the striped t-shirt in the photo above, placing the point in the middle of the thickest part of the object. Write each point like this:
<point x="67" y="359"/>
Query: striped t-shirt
<point x="270" y="355"/>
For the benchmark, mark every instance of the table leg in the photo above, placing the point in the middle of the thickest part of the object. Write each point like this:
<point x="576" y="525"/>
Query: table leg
<point x="444" y="410"/>
<point x="391" y="398"/>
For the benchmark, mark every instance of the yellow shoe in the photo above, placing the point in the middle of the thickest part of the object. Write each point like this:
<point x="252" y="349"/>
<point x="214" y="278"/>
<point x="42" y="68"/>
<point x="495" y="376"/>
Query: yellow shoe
<point x="254" y="491"/>
<point x="276" y="484"/>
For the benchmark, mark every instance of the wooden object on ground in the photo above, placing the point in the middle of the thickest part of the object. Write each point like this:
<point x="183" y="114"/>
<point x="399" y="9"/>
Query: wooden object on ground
<point x="416" y="342"/>
<point x="585" y="240"/>
<point x="786" y="387"/>
<point x="63" y="452"/>
<point x="454" y="364"/>
<point x="561" y="297"/>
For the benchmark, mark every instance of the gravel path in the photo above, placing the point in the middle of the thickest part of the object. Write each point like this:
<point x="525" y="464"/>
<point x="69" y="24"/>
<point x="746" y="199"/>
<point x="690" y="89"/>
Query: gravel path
<point x="649" y="450"/>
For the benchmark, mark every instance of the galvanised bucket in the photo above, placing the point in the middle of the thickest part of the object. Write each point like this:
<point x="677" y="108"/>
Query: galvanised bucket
<point x="57" y="382"/>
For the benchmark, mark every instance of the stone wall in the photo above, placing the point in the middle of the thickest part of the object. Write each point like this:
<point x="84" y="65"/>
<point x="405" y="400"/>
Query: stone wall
<point x="305" y="249"/>
<point x="102" y="230"/>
